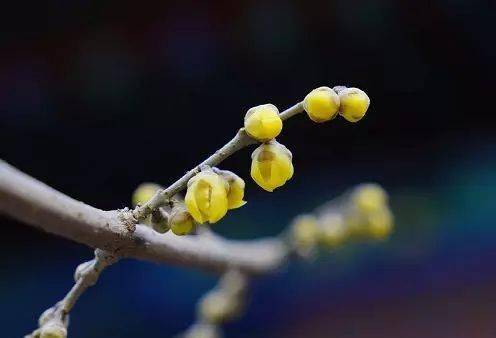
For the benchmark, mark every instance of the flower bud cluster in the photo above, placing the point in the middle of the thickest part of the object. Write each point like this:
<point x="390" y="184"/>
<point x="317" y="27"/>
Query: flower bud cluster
<point x="212" y="192"/>
<point x="363" y="213"/>
<point x="324" y="104"/>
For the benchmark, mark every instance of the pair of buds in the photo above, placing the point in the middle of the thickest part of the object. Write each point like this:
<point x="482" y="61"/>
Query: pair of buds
<point x="324" y="104"/>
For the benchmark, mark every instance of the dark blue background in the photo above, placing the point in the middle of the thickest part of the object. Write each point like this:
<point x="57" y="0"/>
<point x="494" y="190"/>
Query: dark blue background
<point x="96" y="98"/>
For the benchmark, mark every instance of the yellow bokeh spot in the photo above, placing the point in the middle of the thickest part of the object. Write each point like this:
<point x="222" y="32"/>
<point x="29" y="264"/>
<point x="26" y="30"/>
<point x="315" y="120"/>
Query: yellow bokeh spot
<point x="144" y="192"/>
<point x="305" y="231"/>
<point x="206" y="197"/>
<point x="217" y="307"/>
<point x="369" y="198"/>
<point x="271" y="165"/>
<point x="380" y="224"/>
<point x="321" y="104"/>
<point x="263" y="122"/>
<point x="235" y="188"/>
<point x="354" y="104"/>
<point x="333" y="231"/>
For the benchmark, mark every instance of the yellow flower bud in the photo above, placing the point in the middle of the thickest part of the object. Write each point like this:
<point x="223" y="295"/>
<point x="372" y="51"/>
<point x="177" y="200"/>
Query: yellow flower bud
<point x="368" y="198"/>
<point x="263" y="122"/>
<point x="380" y="224"/>
<point x="203" y="330"/>
<point x="206" y="197"/>
<point x="180" y="221"/>
<point x="236" y="190"/>
<point x="271" y="165"/>
<point x="159" y="220"/>
<point x="218" y="306"/>
<point x="144" y="192"/>
<point x="333" y="231"/>
<point x="321" y="104"/>
<point x="53" y="331"/>
<point x="354" y="104"/>
<point x="305" y="231"/>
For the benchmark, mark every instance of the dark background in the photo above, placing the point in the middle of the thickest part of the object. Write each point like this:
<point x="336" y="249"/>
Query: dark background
<point x="97" y="97"/>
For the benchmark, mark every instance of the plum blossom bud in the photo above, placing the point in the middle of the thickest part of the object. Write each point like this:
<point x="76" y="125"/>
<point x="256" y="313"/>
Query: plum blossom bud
<point x="263" y="122"/>
<point x="53" y="330"/>
<point x="180" y="221"/>
<point x="321" y="104"/>
<point x="271" y="165"/>
<point x="206" y="197"/>
<point x="354" y="103"/>
<point x="236" y="190"/>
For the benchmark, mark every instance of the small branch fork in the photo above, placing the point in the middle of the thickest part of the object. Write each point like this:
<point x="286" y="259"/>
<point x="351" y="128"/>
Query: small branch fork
<point x="240" y="141"/>
<point x="118" y="234"/>
<point x="119" y="231"/>
<point x="56" y="319"/>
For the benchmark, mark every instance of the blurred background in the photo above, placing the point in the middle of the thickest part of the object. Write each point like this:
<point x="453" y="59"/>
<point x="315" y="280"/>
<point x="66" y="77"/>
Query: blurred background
<point x="97" y="97"/>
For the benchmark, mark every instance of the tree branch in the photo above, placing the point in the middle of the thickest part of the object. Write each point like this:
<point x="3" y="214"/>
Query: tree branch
<point x="56" y="318"/>
<point x="240" y="141"/>
<point x="224" y="303"/>
<point x="31" y="201"/>
<point x="24" y="198"/>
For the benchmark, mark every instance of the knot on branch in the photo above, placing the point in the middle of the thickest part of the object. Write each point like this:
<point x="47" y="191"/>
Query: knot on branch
<point x="127" y="218"/>
<point x="106" y="257"/>
<point x="88" y="272"/>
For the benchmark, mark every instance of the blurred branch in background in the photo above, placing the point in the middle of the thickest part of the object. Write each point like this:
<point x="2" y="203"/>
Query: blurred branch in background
<point x="361" y="214"/>
<point x="224" y="303"/>
<point x="211" y="192"/>
<point x="54" y="321"/>
<point x="33" y="202"/>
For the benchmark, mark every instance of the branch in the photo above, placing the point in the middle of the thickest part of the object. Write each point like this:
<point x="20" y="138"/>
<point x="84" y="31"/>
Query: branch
<point x="31" y="201"/>
<point x="26" y="199"/>
<point x="222" y="304"/>
<point x="56" y="319"/>
<point x="240" y="141"/>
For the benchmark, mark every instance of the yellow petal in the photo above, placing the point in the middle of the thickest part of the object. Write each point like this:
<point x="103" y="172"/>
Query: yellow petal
<point x="218" y="201"/>
<point x="271" y="166"/>
<point x="285" y="167"/>
<point x="236" y="194"/>
<point x="258" y="178"/>
<point x="191" y="204"/>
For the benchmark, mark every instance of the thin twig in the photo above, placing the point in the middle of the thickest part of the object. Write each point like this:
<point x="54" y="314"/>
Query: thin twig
<point x="86" y="275"/>
<point x="240" y="141"/>
<point x="224" y="303"/>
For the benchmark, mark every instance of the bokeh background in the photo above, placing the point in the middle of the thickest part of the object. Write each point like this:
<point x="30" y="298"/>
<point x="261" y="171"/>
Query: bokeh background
<point x="97" y="97"/>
